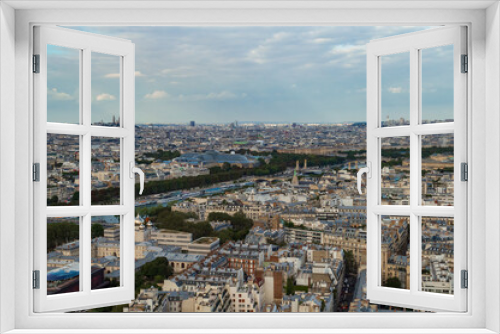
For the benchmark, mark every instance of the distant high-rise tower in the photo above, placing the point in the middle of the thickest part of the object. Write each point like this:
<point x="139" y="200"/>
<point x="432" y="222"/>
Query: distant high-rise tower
<point x="114" y="119"/>
<point x="192" y="123"/>
<point x="305" y="163"/>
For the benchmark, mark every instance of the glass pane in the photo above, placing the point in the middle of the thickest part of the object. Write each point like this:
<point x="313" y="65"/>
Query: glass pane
<point x="437" y="84"/>
<point x="63" y="169"/>
<point x="63" y="85"/>
<point x="395" y="250"/>
<point x="395" y="89"/>
<point x="105" y="232"/>
<point x="395" y="171"/>
<point x="105" y="89"/>
<point x="437" y="170"/>
<point x="437" y="255"/>
<point x="105" y="171"/>
<point x="63" y="255"/>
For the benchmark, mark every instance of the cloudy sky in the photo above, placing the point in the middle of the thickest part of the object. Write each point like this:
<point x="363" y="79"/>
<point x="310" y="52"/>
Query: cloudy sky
<point x="267" y="74"/>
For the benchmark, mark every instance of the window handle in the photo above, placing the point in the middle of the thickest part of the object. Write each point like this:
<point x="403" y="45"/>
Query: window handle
<point x="362" y="171"/>
<point x="133" y="171"/>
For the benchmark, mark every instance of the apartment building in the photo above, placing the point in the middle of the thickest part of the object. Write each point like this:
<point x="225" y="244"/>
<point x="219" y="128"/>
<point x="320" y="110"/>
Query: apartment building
<point x="172" y="238"/>
<point x="295" y="235"/>
<point x="246" y="296"/>
<point x="112" y="233"/>
<point x="148" y="300"/>
<point x="181" y="261"/>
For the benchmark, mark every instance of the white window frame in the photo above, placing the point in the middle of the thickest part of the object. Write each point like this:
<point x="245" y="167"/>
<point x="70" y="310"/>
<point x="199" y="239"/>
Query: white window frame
<point x="86" y="44"/>
<point x="412" y="44"/>
<point x="483" y="20"/>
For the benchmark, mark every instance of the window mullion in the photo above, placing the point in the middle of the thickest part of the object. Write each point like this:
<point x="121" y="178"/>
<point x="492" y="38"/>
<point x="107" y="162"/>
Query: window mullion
<point x="85" y="249"/>
<point x="86" y="159"/>
<point x="373" y="183"/>
<point x="415" y="163"/>
<point x="127" y="111"/>
<point x="82" y="160"/>
<point x="86" y="170"/>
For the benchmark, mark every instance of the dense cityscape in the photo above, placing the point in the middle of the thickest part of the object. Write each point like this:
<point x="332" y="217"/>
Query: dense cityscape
<point x="250" y="217"/>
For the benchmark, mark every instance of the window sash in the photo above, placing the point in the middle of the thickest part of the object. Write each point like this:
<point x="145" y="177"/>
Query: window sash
<point x="86" y="43"/>
<point x="412" y="43"/>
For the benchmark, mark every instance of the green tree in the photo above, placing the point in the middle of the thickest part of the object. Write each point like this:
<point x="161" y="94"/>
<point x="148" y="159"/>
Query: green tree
<point x="52" y="201"/>
<point x="290" y="286"/>
<point x="393" y="282"/>
<point x="75" y="199"/>
<point x="350" y="262"/>
<point x="225" y="235"/>
<point x="61" y="233"/>
<point x="97" y="230"/>
<point x="279" y="162"/>
<point x="158" y="267"/>
<point x="163" y="155"/>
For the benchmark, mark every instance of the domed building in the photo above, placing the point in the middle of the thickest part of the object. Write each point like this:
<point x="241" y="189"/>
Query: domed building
<point x="142" y="230"/>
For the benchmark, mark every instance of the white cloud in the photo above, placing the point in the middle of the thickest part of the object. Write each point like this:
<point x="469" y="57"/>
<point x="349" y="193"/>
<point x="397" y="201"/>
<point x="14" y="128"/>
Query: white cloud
<point x="180" y="72"/>
<point x="259" y="53"/>
<point x="224" y="95"/>
<point x="278" y="37"/>
<point x="105" y="97"/>
<point x="212" y="96"/>
<point x="348" y="49"/>
<point x="117" y="75"/>
<point x="169" y="70"/>
<point x="112" y="75"/>
<point x="307" y="66"/>
<point x="157" y="94"/>
<point x="321" y="40"/>
<point x="395" y="90"/>
<point x="56" y="95"/>
<point x="348" y="56"/>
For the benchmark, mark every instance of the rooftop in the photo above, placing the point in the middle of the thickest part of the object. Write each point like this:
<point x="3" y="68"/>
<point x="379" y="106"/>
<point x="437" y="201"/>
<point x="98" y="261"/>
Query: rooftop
<point x="213" y="157"/>
<point x="205" y="240"/>
<point x="172" y="231"/>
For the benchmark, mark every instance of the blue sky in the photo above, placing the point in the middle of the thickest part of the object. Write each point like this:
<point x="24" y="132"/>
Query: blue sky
<point x="223" y="74"/>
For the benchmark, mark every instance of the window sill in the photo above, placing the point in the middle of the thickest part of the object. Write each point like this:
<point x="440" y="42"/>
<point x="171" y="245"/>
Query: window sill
<point x="260" y="331"/>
